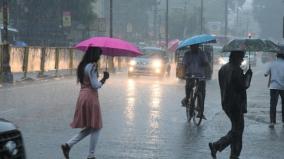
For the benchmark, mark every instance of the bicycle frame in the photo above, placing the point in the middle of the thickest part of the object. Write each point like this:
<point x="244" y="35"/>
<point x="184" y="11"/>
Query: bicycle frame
<point x="193" y="107"/>
<point x="195" y="91"/>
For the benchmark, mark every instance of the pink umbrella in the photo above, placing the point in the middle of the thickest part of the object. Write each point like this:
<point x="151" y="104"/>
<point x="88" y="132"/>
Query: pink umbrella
<point x="110" y="46"/>
<point x="173" y="44"/>
<point x="161" y="43"/>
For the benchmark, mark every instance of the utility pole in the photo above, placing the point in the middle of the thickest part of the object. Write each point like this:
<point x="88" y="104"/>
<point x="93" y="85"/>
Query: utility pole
<point x="5" y="70"/>
<point x="283" y="27"/>
<point x="160" y="23"/>
<point x="226" y="20"/>
<point x="155" y="19"/>
<point x="110" y="18"/>
<point x="201" y="17"/>
<point x="238" y="21"/>
<point x="237" y="10"/>
<point x="110" y="59"/>
<point x="184" y="19"/>
<point x="247" y="26"/>
<point x="167" y="24"/>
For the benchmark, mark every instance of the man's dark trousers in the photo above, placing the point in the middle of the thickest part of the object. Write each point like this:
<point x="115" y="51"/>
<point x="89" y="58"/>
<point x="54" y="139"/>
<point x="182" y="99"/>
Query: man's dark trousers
<point x="274" y="94"/>
<point x="190" y="84"/>
<point x="234" y="136"/>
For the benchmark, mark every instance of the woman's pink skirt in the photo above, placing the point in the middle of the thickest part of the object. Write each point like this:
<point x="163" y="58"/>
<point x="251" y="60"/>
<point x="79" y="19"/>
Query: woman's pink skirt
<point x="88" y="111"/>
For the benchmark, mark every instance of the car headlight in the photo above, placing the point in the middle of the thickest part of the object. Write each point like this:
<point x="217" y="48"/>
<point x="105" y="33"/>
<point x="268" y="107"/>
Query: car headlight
<point x="158" y="70"/>
<point x="131" y="69"/>
<point x="11" y="148"/>
<point x="222" y="61"/>
<point x="132" y="63"/>
<point x="157" y="63"/>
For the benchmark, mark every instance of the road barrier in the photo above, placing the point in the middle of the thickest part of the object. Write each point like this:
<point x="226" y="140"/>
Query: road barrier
<point x="51" y="61"/>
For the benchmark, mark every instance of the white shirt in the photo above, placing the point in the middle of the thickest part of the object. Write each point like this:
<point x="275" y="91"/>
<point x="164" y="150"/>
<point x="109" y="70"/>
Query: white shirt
<point x="276" y="70"/>
<point x="91" y="72"/>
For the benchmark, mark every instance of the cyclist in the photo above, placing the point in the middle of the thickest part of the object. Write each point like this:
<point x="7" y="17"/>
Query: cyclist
<point x="195" y="62"/>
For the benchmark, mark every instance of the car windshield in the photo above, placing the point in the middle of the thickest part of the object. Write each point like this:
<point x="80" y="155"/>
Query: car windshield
<point x="217" y="49"/>
<point x="152" y="53"/>
<point x="226" y="54"/>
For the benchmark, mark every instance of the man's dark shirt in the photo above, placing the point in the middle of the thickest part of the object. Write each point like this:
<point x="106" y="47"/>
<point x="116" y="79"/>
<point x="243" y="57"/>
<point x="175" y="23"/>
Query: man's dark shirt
<point x="233" y="88"/>
<point x="195" y="63"/>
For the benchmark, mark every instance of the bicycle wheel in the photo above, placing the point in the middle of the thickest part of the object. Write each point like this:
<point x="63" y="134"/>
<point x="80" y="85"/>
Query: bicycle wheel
<point x="188" y="114"/>
<point x="198" y="110"/>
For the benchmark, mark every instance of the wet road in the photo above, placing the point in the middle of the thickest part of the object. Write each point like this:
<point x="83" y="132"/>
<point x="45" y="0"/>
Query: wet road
<point x="142" y="119"/>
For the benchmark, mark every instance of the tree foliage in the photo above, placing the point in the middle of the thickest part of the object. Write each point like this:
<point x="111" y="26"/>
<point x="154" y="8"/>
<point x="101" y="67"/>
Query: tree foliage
<point x="134" y="13"/>
<point x="183" y="25"/>
<point x="235" y="3"/>
<point x="187" y="23"/>
<point x="269" y="15"/>
<point x="40" y="21"/>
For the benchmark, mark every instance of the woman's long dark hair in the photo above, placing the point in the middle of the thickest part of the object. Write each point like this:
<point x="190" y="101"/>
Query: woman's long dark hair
<point x="92" y="55"/>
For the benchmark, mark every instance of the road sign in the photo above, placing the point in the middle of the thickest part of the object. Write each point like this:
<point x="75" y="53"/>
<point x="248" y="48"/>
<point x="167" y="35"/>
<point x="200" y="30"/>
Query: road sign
<point x="129" y="27"/>
<point x="66" y="19"/>
<point x="100" y="25"/>
<point x="214" y="27"/>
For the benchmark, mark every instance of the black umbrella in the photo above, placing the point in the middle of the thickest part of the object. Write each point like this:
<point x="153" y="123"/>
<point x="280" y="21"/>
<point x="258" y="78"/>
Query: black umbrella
<point x="281" y="47"/>
<point x="249" y="45"/>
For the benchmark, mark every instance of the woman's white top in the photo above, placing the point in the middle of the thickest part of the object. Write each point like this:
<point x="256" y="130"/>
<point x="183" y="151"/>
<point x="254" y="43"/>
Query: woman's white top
<point x="91" y="71"/>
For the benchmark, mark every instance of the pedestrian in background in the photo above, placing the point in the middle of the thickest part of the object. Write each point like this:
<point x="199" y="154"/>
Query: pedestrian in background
<point x="276" y="86"/>
<point x="233" y="84"/>
<point x="88" y="113"/>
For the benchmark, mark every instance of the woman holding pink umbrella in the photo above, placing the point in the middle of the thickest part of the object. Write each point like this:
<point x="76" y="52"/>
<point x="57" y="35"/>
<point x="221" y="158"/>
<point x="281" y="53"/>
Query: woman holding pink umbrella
<point x="88" y="113"/>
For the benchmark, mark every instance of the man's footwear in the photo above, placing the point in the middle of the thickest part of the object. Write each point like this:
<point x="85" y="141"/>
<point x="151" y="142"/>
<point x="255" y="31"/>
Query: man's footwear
<point x="65" y="149"/>
<point x="184" y="102"/>
<point x="234" y="157"/>
<point x="91" y="158"/>
<point x="199" y="116"/>
<point x="213" y="150"/>
<point x="271" y="125"/>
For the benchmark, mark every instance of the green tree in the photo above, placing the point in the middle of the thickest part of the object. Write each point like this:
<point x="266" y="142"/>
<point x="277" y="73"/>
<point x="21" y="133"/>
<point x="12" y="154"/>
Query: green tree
<point x="134" y="12"/>
<point x="184" y="24"/>
<point x="269" y="15"/>
<point x="235" y="3"/>
<point x="187" y="23"/>
<point x="40" y="21"/>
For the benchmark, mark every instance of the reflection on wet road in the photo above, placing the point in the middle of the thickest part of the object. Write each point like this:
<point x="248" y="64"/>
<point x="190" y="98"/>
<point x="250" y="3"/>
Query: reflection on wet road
<point x="142" y="119"/>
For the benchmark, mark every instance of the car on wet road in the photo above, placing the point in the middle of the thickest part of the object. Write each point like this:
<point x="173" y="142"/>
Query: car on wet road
<point x="224" y="58"/>
<point x="11" y="141"/>
<point x="153" y="62"/>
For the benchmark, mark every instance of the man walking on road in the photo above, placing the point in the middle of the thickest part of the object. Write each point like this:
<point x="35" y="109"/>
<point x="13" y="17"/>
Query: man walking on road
<point x="276" y="82"/>
<point x="233" y="84"/>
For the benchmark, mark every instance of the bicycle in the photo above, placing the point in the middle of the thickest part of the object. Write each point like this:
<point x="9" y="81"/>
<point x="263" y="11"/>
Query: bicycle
<point x="193" y="107"/>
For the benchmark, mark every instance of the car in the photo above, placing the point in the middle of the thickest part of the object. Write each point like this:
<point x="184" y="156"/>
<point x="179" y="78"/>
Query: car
<point x="180" y="69"/>
<point x="217" y="50"/>
<point x="252" y="58"/>
<point x="153" y="62"/>
<point x="11" y="141"/>
<point x="281" y="47"/>
<point x="267" y="57"/>
<point x="224" y="58"/>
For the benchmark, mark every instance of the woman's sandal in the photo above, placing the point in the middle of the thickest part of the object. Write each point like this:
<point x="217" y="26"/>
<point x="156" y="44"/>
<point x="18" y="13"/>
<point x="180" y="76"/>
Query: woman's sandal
<point x="66" y="149"/>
